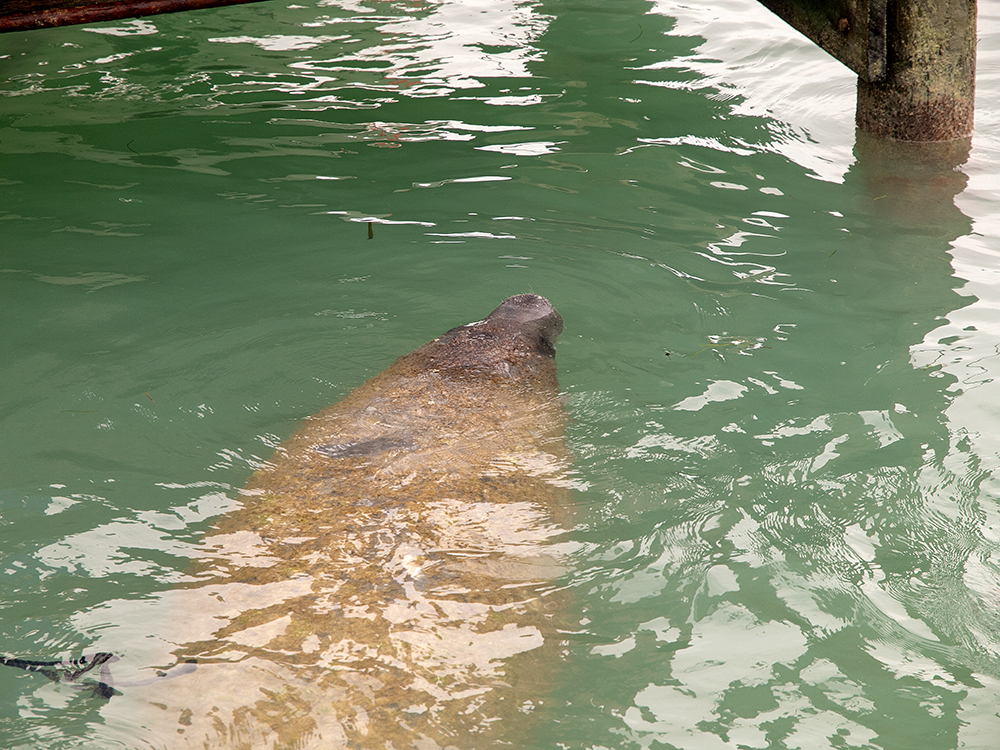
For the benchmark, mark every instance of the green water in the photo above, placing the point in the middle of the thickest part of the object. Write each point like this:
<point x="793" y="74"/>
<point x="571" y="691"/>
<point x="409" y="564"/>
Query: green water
<point x="779" y="354"/>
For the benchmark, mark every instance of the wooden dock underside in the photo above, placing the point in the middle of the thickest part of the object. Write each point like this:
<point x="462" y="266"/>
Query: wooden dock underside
<point x="25" y="15"/>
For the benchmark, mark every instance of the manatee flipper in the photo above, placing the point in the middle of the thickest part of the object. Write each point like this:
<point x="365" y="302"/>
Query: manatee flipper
<point x="70" y="670"/>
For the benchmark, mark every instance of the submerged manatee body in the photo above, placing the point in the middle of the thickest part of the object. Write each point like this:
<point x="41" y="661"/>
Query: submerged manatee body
<point x="389" y="581"/>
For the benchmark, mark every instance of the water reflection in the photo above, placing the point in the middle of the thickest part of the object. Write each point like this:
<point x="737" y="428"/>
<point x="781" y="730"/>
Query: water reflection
<point x="437" y="48"/>
<point x="824" y="563"/>
<point x="376" y="52"/>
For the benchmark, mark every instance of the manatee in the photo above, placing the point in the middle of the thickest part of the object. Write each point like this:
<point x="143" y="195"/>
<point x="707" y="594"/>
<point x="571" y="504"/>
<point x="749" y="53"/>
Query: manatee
<point x="391" y="579"/>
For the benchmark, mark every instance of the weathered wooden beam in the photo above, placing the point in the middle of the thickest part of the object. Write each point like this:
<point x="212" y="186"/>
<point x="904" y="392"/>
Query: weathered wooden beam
<point x="853" y="31"/>
<point x="915" y="60"/>
<point x="24" y="15"/>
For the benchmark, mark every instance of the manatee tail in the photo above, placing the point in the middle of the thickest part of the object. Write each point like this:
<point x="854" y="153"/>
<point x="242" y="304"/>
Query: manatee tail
<point x="71" y="670"/>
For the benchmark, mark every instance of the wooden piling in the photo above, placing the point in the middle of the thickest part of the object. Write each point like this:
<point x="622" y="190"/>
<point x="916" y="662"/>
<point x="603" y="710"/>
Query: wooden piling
<point x="915" y="60"/>
<point x="928" y="93"/>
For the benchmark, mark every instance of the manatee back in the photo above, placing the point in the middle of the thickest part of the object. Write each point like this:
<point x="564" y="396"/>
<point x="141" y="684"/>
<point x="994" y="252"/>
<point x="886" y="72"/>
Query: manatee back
<point x="397" y="552"/>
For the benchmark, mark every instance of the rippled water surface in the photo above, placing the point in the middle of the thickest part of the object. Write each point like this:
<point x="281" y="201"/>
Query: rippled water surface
<point x="779" y="360"/>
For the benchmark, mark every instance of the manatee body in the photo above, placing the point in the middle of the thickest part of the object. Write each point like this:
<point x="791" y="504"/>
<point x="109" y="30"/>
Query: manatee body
<point x="389" y="582"/>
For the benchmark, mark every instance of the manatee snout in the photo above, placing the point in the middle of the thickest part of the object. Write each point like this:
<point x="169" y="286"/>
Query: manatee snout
<point x="529" y="315"/>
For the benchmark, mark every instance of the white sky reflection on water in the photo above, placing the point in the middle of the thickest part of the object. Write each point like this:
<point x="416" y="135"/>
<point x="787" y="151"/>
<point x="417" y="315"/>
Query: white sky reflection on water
<point x="769" y="69"/>
<point x="451" y="44"/>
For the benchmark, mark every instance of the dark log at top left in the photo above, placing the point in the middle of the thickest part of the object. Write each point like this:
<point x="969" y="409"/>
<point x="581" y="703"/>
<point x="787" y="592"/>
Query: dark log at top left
<point x="24" y="15"/>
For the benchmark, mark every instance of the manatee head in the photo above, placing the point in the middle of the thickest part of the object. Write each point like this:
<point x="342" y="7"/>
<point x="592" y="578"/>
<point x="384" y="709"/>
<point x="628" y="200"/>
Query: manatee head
<point x="531" y="317"/>
<point x="517" y="340"/>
